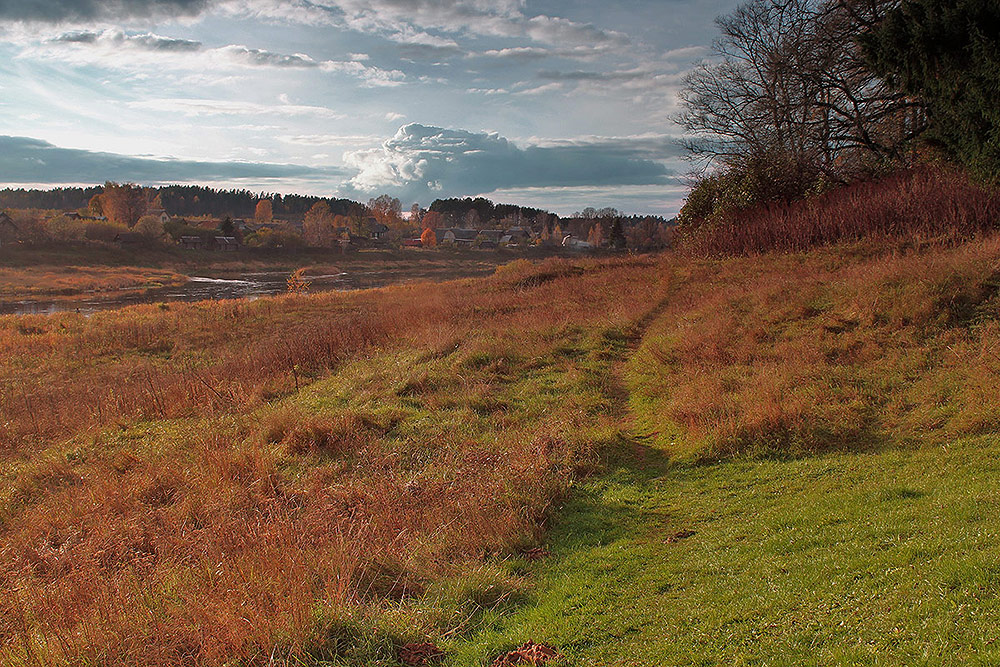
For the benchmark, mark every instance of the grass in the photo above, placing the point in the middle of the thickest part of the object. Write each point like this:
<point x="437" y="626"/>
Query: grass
<point x="55" y="282"/>
<point x="209" y="531"/>
<point x="839" y="559"/>
<point x="782" y="459"/>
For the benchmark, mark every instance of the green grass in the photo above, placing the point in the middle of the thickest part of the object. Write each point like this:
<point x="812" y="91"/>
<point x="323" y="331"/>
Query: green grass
<point x="877" y="559"/>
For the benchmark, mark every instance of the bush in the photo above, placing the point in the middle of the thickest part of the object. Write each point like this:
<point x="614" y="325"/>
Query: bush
<point x="99" y="230"/>
<point x="914" y="204"/>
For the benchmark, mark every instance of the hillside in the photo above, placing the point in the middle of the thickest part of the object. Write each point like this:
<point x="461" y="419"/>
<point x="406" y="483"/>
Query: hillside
<point x="773" y="457"/>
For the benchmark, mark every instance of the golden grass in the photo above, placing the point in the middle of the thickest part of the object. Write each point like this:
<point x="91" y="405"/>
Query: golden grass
<point x="248" y="482"/>
<point x="161" y="511"/>
<point x="69" y="281"/>
<point x="826" y="350"/>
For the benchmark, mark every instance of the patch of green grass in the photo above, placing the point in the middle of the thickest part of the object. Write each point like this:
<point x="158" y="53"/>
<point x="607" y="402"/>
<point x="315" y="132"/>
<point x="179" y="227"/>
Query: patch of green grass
<point x="880" y="559"/>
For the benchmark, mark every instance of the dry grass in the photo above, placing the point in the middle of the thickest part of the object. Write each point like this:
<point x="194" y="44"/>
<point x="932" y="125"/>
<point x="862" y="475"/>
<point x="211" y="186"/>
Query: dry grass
<point x="912" y="206"/>
<point x="66" y="281"/>
<point x="164" y="508"/>
<point x="828" y="350"/>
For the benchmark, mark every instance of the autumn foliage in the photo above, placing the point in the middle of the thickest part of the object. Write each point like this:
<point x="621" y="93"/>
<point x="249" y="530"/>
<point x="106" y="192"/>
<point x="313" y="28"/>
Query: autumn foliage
<point x="428" y="239"/>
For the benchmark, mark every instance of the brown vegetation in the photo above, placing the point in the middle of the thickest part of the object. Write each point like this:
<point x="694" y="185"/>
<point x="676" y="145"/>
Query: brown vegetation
<point x="909" y="206"/>
<point x="159" y="510"/>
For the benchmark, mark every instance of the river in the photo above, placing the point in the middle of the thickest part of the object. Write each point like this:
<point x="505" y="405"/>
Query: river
<point x="250" y="285"/>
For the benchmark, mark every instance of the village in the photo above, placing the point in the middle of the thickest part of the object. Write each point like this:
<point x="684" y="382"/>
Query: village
<point x="128" y="216"/>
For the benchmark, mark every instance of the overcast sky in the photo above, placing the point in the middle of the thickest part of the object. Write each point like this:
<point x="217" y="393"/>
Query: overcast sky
<point x="560" y="104"/>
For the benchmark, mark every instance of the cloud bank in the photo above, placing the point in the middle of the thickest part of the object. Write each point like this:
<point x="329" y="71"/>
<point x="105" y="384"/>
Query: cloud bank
<point x="24" y="160"/>
<point x="422" y="162"/>
<point x="59" y="11"/>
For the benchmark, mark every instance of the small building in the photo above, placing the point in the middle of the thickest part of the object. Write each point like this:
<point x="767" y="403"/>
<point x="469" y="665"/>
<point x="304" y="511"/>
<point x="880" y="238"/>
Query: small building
<point x="378" y="230"/>
<point x="490" y="236"/>
<point x="413" y="243"/>
<point x="159" y="214"/>
<point x="191" y="242"/>
<point x="226" y="243"/>
<point x="465" y="237"/>
<point x="573" y="243"/>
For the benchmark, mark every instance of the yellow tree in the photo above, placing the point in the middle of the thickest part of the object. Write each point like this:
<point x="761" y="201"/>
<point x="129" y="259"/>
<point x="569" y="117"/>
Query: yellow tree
<point x="317" y="227"/>
<point x="264" y="211"/>
<point x="428" y="239"/>
<point x="387" y="210"/>
<point x="123" y="203"/>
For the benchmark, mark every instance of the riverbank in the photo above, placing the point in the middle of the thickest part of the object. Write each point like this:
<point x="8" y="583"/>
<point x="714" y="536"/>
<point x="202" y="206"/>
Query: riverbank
<point x="41" y="287"/>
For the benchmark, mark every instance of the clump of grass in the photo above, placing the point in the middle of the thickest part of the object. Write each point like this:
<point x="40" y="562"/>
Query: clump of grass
<point x="302" y="432"/>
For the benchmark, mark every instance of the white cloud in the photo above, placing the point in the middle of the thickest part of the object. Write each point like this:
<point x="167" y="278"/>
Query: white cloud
<point x="196" y="107"/>
<point x="421" y="160"/>
<point x="118" y="49"/>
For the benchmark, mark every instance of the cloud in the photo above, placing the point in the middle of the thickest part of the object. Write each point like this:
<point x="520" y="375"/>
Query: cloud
<point x="422" y="161"/>
<point x="428" y="23"/>
<point x="196" y="107"/>
<point x="61" y="11"/>
<point x="115" y="48"/>
<point x="118" y="38"/>
<point x="25" y="160"/>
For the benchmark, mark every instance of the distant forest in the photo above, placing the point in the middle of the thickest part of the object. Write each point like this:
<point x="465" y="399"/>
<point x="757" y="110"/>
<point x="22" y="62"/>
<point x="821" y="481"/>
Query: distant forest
<point x="183" y="200"/>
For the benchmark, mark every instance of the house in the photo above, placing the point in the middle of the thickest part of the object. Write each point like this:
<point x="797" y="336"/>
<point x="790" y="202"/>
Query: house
<point x="9" y="233"/>
<point x="456" y="236"/>
<point x="159" y="214"/>
<point x="192" y="242"/>
<point x="490" y="236"/>
<point x="465" y="237"/>
<point x="226" y="243"/>
<point x="378" y="230"/>
<point x="573" y="243"/>
<point x="518" y="234"/>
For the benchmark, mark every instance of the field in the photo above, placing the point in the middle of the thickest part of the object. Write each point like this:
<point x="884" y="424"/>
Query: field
<point x="649" y="460"/>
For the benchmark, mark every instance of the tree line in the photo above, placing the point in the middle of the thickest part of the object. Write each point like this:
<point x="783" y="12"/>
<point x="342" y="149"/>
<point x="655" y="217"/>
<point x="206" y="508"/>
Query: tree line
<point x="800" y="96"/>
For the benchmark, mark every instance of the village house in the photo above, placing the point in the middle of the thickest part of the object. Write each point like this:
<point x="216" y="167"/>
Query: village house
<point x="226" y="243"/>
<point x="489" y="239"/>
<point x="191" y="242"/>
<point x="159" y="214"/>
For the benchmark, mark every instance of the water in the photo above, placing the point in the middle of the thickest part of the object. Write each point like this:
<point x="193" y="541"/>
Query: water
<point x="244" y="286"/>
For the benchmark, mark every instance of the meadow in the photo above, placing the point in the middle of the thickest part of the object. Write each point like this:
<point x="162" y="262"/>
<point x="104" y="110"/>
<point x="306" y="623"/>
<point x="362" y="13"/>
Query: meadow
<point x="685" y="458"/>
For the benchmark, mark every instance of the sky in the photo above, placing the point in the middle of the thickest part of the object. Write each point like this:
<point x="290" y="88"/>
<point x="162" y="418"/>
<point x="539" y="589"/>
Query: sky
<point x="559" y="104"/>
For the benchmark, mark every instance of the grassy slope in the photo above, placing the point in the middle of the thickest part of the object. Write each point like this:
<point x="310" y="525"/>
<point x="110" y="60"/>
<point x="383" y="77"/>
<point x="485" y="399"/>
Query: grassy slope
<point x="483" y="413"/>
<point x="886" y="558"/>
<point x="705" y="543"/>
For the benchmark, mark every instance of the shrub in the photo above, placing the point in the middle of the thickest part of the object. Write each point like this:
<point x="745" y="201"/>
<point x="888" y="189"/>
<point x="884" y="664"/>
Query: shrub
<point x="913" y="205"/>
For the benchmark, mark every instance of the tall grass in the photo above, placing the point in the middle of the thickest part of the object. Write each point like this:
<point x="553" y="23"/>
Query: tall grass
<point x="918" y="205"/>
<point x="830" y="350"/>
<point x="170" y="498"/>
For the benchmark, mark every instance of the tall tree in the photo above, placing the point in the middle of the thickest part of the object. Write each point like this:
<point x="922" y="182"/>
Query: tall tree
<point x="947" y="52"/>
<point x="264" y="211"/>
<point x="790" y="98"/>
<point x="123" y="203"/>
<point x="317" y="226"/>
<point x="386" y="210"/>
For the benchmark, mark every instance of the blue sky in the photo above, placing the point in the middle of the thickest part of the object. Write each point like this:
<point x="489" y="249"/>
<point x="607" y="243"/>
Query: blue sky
<point x="552" y="103"/>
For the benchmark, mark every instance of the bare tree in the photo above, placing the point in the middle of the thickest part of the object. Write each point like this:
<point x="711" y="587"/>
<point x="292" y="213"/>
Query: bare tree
<point x="788" y="92"/>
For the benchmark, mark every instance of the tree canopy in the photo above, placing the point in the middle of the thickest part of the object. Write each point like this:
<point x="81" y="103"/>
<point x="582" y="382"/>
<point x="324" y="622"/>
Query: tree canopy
<point x="947" y="53"/>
